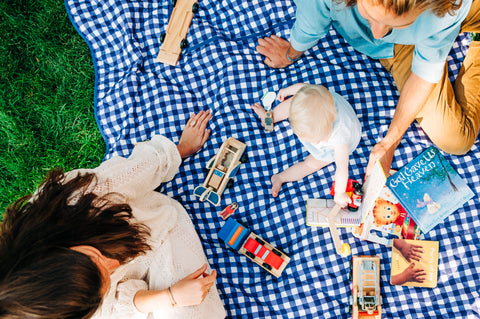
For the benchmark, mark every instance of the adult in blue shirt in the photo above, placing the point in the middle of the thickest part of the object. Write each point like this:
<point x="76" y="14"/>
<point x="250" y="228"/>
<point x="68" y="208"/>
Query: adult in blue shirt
<point x="412" y="39"/>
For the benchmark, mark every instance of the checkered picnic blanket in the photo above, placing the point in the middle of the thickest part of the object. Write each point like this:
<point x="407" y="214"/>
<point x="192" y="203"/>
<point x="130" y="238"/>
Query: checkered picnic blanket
<point x="137" y="97"/>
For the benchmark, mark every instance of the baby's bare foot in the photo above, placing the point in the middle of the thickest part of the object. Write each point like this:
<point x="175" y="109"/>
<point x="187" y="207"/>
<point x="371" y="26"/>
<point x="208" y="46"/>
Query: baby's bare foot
<point x="260" y="111"/>
<point x="276" y="184"/>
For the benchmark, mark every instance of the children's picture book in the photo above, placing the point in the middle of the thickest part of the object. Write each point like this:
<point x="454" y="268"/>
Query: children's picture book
<point x="429" y="189"/>
<point x="413" y="200"/>
<point x="414" y="263"/>
<point x="318" y="210"/>
<point x="383" y="216"/>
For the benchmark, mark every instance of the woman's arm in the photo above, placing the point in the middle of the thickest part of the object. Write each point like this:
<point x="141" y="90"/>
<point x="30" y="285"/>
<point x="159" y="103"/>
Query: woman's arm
<point x="152" y="162"/>
<point x="189" y="291"/>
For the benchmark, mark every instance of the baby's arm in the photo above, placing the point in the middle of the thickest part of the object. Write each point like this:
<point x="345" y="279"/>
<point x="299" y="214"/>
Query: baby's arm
<point x="289" y="91"/>
<point x="282" y="110"/>
<point x="341" y="175"/>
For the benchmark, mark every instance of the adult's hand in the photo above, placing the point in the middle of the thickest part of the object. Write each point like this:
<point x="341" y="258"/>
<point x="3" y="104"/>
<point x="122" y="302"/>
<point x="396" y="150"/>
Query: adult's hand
<point x="383" y="153"/>
<point x="412" y="274"/>
<point x="409" y="251"/>
<point x="193" y="289"/>
<point x="275" y="51"/>
<point x="195" y="134"/>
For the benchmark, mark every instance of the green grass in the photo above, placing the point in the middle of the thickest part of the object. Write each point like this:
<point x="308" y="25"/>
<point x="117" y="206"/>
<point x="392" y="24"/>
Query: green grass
<point x="46" y="97"/>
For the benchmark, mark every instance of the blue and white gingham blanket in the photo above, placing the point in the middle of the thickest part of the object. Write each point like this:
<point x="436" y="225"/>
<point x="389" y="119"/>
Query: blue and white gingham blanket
<point x="137" y="97"/>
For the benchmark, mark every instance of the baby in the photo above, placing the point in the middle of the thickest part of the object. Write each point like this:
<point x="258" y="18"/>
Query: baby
<point x="326" y="125"/>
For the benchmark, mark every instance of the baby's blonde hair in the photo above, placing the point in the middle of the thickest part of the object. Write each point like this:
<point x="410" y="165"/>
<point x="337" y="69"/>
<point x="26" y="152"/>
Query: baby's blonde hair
<point x="312" y="112"/>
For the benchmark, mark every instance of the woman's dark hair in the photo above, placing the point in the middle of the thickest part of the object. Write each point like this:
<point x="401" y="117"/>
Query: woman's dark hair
<point x="60" y="284"/>
<point x="37" y="233"/>
<point x="399" y="7"/>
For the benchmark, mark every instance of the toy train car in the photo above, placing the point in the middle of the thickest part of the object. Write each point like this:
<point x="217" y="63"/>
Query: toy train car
<point x="246" y="242"/>
<point x="366" y="299"/>
<point x="223" y="167"/>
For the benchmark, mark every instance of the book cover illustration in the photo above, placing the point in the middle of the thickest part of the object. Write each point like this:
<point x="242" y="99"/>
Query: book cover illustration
<point x="429" y="188"/>
<point x="414" y="263"/>
<point x="318" y="210"/>
<point x="386" y="220"/>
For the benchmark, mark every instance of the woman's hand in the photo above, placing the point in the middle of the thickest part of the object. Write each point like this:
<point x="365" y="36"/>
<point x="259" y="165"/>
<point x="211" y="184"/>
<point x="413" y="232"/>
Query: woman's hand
<point x="193" y="289"/>
<point x="194" y="134"/>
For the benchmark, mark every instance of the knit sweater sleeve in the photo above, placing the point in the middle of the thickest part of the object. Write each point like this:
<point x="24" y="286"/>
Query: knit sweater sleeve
<point x="150" y="164"/>
<point x="124" y="306"/>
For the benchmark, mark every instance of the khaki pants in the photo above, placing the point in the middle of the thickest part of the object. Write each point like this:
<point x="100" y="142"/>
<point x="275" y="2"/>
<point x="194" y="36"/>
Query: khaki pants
<point x="451" y="115"/>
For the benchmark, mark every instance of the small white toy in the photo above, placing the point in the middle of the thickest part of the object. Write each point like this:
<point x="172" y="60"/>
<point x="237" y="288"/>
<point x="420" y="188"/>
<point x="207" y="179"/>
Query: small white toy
<point x="268" y="98"/>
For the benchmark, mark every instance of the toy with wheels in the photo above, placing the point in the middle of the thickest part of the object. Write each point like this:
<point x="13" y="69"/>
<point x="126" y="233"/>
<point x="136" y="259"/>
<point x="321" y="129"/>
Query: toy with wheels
<point x="366" y="300"/>
<point x="255" y="248"/>
<point x="174" y="40"/>
<point x="267" y="99"/>
<point x="223" y="167"/>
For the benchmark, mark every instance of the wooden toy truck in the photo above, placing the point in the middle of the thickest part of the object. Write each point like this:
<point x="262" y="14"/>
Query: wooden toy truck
<point x="366" y="300"/>
<point x="175" y="39"/>
<point x="223" y="167"/>
<point x="256" y="249"/>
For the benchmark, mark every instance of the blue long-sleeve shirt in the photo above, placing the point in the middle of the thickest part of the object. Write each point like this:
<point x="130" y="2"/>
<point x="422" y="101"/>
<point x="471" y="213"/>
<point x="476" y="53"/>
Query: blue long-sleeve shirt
<point x="432" y="36"/>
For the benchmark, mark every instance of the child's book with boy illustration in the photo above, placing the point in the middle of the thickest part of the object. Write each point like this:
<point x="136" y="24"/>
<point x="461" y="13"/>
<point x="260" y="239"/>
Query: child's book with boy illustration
<point x="416" y="198"/>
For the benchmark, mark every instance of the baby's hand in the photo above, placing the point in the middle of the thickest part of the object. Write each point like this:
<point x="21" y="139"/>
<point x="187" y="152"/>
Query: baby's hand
<point x="284" y="93"/>
<point x="342" y="199"/>
<point x="260" y="111"/>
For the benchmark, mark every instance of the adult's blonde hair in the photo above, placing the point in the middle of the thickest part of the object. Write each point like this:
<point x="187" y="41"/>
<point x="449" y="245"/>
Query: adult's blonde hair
<point x="399" y="7"/>
<point x="312" y="112"/>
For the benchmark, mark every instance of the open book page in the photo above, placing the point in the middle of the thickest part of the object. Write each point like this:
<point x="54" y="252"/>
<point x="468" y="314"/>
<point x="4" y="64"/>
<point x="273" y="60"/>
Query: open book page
<point x="372" y="188"/>
<point x="318" y="210"/>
